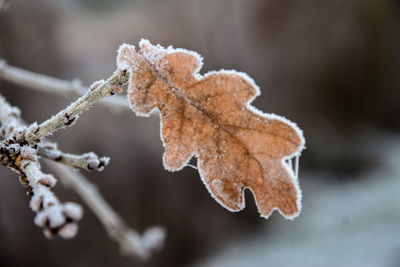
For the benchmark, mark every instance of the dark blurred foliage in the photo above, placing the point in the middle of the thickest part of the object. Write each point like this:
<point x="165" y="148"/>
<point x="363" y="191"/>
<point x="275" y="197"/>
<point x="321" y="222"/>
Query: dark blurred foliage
<point x="331" y="66"/>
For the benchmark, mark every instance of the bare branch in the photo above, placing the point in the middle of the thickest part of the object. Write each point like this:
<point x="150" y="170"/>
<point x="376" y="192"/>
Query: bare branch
<point x="70" y="114"/>
<point x="130" y="241"/>
<point x="87" y="161"/>
<point x="49" y="84"/>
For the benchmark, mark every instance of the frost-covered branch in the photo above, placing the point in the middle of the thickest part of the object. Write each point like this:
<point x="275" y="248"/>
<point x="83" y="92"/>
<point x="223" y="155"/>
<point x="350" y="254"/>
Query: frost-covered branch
<point x="57" y="218"/>
<point x="53" y="216"/>
<point x="49" y="84"/>
<point x="69" y="115"/>
<point x="87" y="161"/>
<point x="18" y="155"/>
<point x="9" y="119"/>
<point x="130" y="241"/>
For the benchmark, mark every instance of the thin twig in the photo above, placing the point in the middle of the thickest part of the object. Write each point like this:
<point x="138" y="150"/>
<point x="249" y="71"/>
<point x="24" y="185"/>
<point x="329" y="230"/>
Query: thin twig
<point x="70" y="114"/>
<point x="52" y="85"/>
<point x="131" y="242"/>
<point x="87" y="161"/>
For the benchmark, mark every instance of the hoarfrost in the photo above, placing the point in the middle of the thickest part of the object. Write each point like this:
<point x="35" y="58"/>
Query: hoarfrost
<point x="211" y="117"/>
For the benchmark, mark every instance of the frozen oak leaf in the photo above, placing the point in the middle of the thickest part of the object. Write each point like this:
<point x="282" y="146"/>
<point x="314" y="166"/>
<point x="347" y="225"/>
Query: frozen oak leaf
<point x="210" y="117"/>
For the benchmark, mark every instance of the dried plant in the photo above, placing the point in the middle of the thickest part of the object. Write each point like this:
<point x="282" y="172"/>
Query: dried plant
<point x="209" y="117"/>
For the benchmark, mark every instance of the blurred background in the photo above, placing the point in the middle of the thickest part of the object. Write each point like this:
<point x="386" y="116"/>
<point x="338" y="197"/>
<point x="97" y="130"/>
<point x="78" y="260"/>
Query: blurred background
<point x="331" y="66"/>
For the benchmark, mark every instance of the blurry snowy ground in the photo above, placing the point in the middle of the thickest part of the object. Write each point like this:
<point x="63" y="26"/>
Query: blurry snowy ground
<point x="351" y="224"/>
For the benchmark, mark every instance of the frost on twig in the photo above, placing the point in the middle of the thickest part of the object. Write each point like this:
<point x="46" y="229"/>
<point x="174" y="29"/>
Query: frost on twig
<point x="87" y="161"/>
<point x="21" y="147"/>
<point x="54" y="217"/>
<point x="130" y="241"/>
<point x="47" y="84"/>
<point x="69" y="115"/>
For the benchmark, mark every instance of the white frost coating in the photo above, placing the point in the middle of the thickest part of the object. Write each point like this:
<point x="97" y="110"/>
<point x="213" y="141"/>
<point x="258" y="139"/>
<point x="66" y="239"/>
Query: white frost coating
<point x="28" y="153"/>
<point x="92" y="162"/>
<point x="55" y="216"/>
<point x="73" y="210"/>
<point x="68" y="231"/>
<point x="70" y="114"/>
<point x="88" y="161"/>
<point x="8" y="113"/>
<point x="32" y="127"/>
<point x="96" y="83"/>
<point x="43" y="202"/>
<point x="105" y="161"/>
<point x="171" y="49"/>
<point x="153" y="238"/>
<point x="46" y="84"/>
<point x="286" y="161"/>
<point x="124" y="65"/>
<point x="35" y="203"/>
<point x="53" y="153"/>
<point x="48" y="180"/>
<point x="154" y="54"/>
<point x="52" y="214"/>
<point x="14" y="148"/>
<point x="40" y="219"/>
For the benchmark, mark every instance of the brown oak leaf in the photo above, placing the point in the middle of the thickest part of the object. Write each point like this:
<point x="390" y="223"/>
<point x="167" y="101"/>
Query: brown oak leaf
<point x="210" y="117"/>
